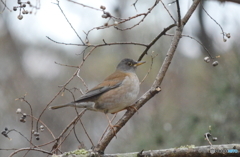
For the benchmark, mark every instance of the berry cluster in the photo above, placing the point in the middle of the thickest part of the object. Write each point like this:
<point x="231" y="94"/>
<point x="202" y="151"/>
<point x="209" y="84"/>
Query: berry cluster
<point x="22" y="8"/>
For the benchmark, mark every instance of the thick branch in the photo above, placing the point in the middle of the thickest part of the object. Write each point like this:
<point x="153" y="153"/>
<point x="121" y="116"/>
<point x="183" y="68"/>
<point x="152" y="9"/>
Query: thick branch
<point x="225" y="150"/>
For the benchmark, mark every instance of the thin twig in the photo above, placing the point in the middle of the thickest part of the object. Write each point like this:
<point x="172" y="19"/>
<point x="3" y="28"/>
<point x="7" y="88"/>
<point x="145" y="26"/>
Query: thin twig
<point x="84" y="83"/>
<point x="72" y="123"/>
<point x="134" y="4"/>
<point x="144" y="16"/>
<point x="26" y="153"/>
<point x="29" y="148"/>
<point x="72" y="66"/>
<point x="179" y="14"/>
<point x="214" y="21"/>
<point x="5" y="6"/>
<point x="99" y="45"/>
<point x="74" y="126"/>
<point x="69" y="125"/>
<point x="86" y="132"/>
<point x="81" y="124"/>
<point x="69" y="22"/>
<point x="168" y="12"/>
<point x="155" y="40"/>
<point x="188" y="36"/>
<point x="14" y="130"/>
<point x="31" y="113"/>
<point x="150" y="68"/>
<point x="85" y="5"/>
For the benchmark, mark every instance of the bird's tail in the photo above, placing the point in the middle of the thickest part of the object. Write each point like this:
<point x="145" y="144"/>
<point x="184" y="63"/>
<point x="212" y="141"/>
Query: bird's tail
<point x="61" y="106"/>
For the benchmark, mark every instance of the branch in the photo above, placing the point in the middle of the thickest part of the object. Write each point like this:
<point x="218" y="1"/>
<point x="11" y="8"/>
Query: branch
<point x="26" y="149"/>
<point x="69" y="22"/>
<point x="155" y="40"/>
<point x="179" y="13"/>
<point x="224" y="150"/>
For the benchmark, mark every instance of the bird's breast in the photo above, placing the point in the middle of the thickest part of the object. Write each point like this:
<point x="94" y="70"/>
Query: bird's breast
<point x="130" y="86"/>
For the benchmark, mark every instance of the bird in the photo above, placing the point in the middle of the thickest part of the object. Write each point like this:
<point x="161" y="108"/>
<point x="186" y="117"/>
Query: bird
<point x="116" y="93"/>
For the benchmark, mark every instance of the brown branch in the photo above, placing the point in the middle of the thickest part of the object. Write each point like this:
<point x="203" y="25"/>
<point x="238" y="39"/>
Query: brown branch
<point x="156" y="85"/>
<point x="100" y="45"/>
<point x="28" y="148"/>
<point x="155" y="40"/>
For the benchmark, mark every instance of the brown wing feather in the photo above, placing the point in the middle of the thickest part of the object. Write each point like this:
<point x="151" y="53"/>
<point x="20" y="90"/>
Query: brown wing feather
<point x="111" y="82"/>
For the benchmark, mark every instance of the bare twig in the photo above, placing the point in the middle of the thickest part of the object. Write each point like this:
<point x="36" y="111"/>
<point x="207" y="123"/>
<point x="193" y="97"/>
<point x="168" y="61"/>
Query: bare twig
<point x="69" y="22"/>
<point x="100" y="45"/>
<point x="188" y="36"/>
<point x="14" y="130"/>
<point x="144" y="16"/>
<point x="5" y="6"/>
<point x="72" y="66"/>
<point x="84" y="83"/>
<point x="179" y="13"/>
<point x="134" y="4"/>
<point x="150" y="68"/>
<point x="86" y="132"/>
<point x="73" y="122"/>
<point x="223" y="33"/>
<point x="168" y="11"/>
<point x="85" y="5"/>
<point x="155" y="40"/>
<point x="29" y="148"/>
<point x="79" y="119"/>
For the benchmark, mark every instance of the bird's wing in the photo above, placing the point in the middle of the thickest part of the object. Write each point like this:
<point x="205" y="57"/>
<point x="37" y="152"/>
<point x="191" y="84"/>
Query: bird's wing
<point x="111" y="82"/>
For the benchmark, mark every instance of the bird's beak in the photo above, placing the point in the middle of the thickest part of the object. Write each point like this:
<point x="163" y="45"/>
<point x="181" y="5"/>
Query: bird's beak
<point x="139" y="63"/>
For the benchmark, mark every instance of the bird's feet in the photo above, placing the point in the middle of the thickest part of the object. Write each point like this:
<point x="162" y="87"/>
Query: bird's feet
<point x="132" y="107"/>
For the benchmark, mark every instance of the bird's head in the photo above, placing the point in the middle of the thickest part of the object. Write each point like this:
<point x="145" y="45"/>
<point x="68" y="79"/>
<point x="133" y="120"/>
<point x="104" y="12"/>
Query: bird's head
<point x="129" y="65"/>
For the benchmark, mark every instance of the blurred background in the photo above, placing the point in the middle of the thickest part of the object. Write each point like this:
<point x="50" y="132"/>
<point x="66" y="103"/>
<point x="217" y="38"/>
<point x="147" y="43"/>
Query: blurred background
<point x="194" y="96"/>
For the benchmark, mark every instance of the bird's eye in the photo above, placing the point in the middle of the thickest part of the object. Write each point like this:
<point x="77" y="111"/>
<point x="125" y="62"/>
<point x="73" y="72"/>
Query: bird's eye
<point x="129" y="63"/>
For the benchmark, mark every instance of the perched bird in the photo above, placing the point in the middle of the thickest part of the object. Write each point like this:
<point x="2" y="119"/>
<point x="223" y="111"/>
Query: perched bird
<point x="116" y="93"/>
